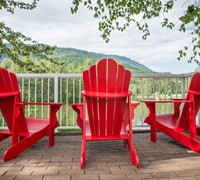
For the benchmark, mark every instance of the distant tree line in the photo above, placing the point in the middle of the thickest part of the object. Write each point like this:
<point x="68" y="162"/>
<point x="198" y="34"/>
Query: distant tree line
<point x="141" y="88"/>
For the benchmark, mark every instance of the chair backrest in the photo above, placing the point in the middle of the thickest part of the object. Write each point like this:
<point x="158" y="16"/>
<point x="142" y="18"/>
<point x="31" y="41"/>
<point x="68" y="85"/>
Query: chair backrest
<point x="106" y="114"/>
<point x="9" y="84"/>
<point x="184" y="121"/>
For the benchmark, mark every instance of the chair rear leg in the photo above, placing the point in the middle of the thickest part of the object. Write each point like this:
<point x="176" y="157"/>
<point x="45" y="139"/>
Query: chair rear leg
<point x="3" y="136"/>
<point x="126" y="143"/>
<point x="133" y="154"/>
<point x="153" y="133"/>
<point x="51" y="137"/>
<point x="198" y="130"/>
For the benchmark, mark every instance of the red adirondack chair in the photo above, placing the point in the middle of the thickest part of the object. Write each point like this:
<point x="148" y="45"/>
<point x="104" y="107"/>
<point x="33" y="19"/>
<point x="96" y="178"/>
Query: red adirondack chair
<point x="24" y="131"/>
<point x="110" y="110"/>
<point x="182" y="126"/>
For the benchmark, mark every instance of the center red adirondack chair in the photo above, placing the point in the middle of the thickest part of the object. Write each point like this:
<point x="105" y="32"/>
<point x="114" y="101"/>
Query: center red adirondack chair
<point x="24" y="131"/>
<point x="110" y="110"/>
<point x="182" y="126"/>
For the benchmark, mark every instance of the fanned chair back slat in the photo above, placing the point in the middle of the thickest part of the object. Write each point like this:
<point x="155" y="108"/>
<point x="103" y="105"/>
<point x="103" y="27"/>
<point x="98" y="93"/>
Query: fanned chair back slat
<point x="111" y="103"/>
<point x="106" y="114"/>
<point x="9" y="84"/>
<point x="184" y="122"/>
<point x="102" y="82"/>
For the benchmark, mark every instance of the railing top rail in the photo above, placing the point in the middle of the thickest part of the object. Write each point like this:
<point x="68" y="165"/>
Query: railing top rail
<point x="162" y="75"/>
<point x="80" y="75"/>
<point x="49" y="75"/>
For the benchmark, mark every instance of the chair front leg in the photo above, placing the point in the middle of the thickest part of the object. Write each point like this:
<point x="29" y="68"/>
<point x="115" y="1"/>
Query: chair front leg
<point x="193" y="129"/>
<point x="133" y="153"/>
<point x="15" y="125"/>
<point x="176" y="110"/>
<point x="83" y="149"/>
<point x="53" y="122"/>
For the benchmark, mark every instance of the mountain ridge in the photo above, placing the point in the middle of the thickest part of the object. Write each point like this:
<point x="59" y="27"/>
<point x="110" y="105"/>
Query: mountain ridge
<point x="69" y="54"/>
<point x="82" y="54"/>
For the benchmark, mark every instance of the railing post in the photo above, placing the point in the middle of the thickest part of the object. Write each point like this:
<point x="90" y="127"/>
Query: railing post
<point x="55" y="88"/>
<point x="183" y="87"/>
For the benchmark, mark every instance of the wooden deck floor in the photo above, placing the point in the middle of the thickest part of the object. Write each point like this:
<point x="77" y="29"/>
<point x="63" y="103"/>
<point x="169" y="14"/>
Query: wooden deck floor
<point x="165" y="159"/>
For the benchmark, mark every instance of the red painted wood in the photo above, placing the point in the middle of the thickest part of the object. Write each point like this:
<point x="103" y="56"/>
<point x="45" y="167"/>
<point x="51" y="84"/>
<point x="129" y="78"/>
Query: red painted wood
<point x="109" y="106"/>
<point x="102" y="87"/>
<point x="8" y="87"/>
<point x="23" y="131"/>
<point x="106" y="95"/>
<point x="14" y="81"/>
<point x="112" y="78"/>
<point x="119" y="102"/>
<point x="78" y="107"/>
<point x="93" y="78"/>
<point x="194" y="87"/>
<point x="175" y="126"/>
<point x="94" y="101"/>
<point x="127" y="79"/>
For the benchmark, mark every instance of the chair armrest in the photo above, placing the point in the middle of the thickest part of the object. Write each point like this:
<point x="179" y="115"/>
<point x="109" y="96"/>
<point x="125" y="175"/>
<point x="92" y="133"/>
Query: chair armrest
<point x="152" y="109"/>
<point x="9" y="94"/>
<point x="177" y="99"/>
<point x="54" y="107"/>
<point x="197" y="93"/>
<point x="41" y="103"/>
<point x="167" y="101"/>
<point x="135" y="103"/>
<point x="106" y="95"/>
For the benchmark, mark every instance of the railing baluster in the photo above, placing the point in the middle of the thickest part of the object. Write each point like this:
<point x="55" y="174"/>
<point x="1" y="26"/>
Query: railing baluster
<point x="158" y="95"/>
<point x="67" y="102"/>
<point x="171" y="94"/>
<point x="183" y="87"/>
<point x="42" y="97"/>
<point x="73" y="84"/>
<point x="79" y="90"/>
<point x="147" y="88"/>
<point x="153" y="84"/>
<point x="176" y="88"/>
<point x="35" y="95"/>
<point x="48" y="92"/>
<point x="61" y="101"/>
<point x="165" y="93"/>
<point x="55" y="88"/>
<point x="29" y="96"/>
<point x="142" y="97"/>
<point x="22" y="90"/>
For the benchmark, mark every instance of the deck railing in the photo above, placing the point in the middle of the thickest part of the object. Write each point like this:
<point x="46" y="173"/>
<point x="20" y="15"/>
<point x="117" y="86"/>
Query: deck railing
<point x="67" y="88"/>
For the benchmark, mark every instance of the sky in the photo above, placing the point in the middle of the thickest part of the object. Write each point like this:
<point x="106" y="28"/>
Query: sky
<point x="52" y="23"/>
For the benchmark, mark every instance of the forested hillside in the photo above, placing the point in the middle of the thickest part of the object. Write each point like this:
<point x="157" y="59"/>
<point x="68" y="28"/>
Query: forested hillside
<point x="68" y="60"/>
<point x="69" y="55"/>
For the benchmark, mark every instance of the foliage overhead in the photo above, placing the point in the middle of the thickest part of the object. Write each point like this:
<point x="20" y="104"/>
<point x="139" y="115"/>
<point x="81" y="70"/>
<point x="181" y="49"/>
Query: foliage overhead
<point x="120" y="14"/>
<point x="16" y="45"/>
<point x="112" y="15"/>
